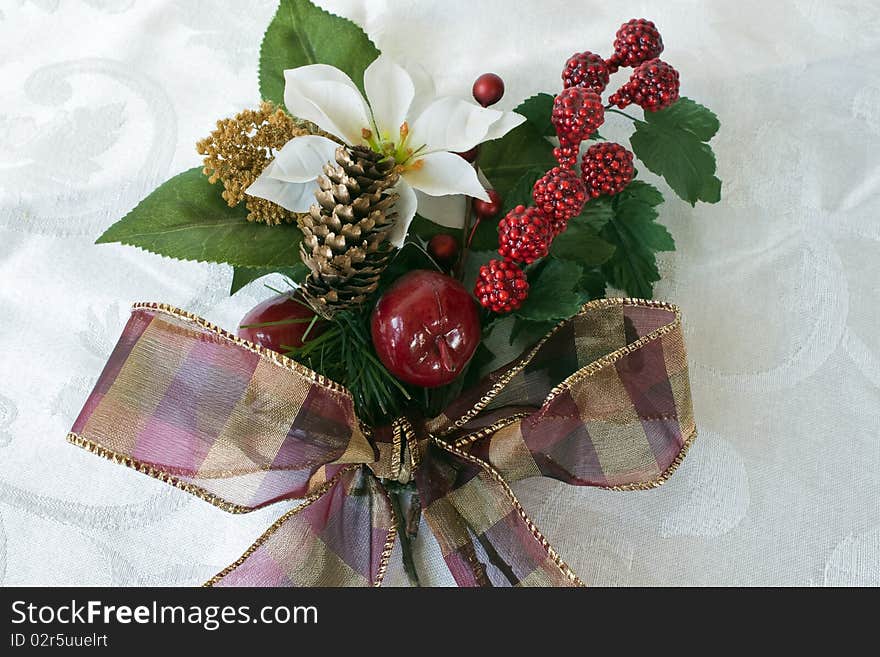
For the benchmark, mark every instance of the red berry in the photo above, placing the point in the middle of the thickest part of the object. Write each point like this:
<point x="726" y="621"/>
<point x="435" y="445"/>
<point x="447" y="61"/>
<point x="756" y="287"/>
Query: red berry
<point x="653" y="85"/>
<point x="471" y="155"/>
<point x="560" y="195"/>
<point x="444" y="249"/>
<point x="566" y="153"/>
<point x="584" y="69"/>
<point x="293" y="317"/>
<point x="488" y="89"/>
<point x="637" y="41"/>
<point x="524" y="235"/>
<point x="425" y="328"/>
<point x="501" y="286"/>
<point x="490" y="208"/>
<point x="577" y="114"/>
<point x="607" y="169"/>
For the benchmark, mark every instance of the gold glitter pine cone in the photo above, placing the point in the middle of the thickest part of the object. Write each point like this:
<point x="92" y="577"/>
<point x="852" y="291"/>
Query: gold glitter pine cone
<point x="345" y="234"/>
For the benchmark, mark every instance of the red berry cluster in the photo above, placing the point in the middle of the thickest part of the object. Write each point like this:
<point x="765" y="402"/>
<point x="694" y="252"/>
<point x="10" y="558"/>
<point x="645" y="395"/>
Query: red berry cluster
<point x="636" y="41"/>
<point x="607" y="168"/>
<point x="524" y="235"/>
<point x="501" y="286"/>
<point x="585" y="69"/>
<point x="560" y="195"/>
<point x="577" y="114"/>
<point x="653" y="85"/>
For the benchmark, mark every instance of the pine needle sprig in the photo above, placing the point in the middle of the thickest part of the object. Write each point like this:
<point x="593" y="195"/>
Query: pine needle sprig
<point x="344" y="353"/>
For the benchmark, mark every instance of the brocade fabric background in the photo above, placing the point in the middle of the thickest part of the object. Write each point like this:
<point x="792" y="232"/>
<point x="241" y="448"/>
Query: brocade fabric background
<point x="102" y="100"/>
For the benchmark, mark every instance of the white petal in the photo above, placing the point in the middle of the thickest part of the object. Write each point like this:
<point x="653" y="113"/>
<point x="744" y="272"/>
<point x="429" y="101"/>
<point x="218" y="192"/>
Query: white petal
<point x="507" y="122"/>
<point x="425" y="93"/>
<point x="439" y="174"/>
<point x="390" y="91"/>
<point x="327" y="97"/>
<point x="443" y="210"/>
<point x="406" y="210"/>
<point x="302" y="159"/>
<point x="296" y="197"/>
<point x="452" y="124"/>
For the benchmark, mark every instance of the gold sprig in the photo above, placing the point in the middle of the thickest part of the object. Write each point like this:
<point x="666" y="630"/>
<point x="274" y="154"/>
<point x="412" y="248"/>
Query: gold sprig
<point x="241" y="147"/>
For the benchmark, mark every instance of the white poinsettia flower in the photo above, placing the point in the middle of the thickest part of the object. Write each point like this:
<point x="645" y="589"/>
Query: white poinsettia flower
<point x="400" y="118"/>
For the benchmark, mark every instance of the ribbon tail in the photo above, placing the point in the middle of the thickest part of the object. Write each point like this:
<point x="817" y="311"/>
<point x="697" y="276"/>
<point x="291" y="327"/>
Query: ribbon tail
<point x="485" y="535"/>
<point x="341" y="535"/>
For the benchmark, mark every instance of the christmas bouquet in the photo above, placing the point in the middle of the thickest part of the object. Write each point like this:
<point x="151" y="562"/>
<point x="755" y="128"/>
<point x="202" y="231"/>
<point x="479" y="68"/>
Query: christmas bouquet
<point x="422" y="239"/>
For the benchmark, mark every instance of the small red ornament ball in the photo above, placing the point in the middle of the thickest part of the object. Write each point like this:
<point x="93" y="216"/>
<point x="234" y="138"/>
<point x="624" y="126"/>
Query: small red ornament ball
<point x="488" y="89"/>
<point x="289" y="318"/>
<point x="444" y="249"/>
<point x="488" y="209"/>
<point x="425" y="328"/>
<point x="501" y="286"/>
<point x="607" y="169"/>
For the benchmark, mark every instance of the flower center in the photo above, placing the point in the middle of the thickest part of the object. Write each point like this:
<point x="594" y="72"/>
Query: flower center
<point x="400" y="149"/>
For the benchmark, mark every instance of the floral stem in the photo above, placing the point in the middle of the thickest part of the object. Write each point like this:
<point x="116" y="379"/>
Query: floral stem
<point x="617" y="111"/>
<point x="467" y="233"/>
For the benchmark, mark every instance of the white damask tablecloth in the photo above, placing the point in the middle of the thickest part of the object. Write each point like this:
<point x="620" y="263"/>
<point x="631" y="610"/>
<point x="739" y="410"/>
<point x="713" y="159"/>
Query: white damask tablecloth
<point x="103" y="99"/>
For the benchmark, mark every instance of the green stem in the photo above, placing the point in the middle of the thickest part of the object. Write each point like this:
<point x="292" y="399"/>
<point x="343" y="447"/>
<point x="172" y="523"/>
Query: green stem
<point x="617" y="111"/>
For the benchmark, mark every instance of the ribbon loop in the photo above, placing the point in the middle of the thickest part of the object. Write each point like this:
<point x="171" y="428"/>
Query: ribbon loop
<point x="603" y="400"/>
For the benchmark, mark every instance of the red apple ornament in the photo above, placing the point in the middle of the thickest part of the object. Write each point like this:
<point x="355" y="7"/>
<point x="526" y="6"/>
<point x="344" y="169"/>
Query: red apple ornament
<point x="425" y="328"/>
<point x="281" y="308"/>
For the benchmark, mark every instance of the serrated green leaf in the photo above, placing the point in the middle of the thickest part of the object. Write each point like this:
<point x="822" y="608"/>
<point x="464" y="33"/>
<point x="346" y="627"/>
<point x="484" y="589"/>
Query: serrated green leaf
<point x="186" y="218"/>
<point x="644" y="192"/>
<point x="688" y="115"/>
<point x="504" y="161"/>
<point x="301" y="34"/>
<point x="592" y="285"/>
<point x="670" y="143"/>
<point x="537" y="110"/>
<point x="581" y="243"/>
<point x="637" y="236"/>
<point x="241" y="276"/>
<point x="553" y="291"/>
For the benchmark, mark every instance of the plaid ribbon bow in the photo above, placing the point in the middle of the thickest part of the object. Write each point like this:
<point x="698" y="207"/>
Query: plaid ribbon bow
<point x="602" y="400"/>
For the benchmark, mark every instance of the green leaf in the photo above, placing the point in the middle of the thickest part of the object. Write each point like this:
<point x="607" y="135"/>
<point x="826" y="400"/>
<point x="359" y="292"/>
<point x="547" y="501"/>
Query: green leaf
<point x="505" y="161"/>
<point x="301" y="34"/>
<point x="671" y="143"/>
<point x="241" y="276"/>
<point x="186" y="218"/>
<point x="637" y="236"/>
<point x="537" y="111"/>
<point x="592" y="285"/>
<point x="553" y="291"/>
<point x="581" y="243"/>
<point x="642" y="191"/>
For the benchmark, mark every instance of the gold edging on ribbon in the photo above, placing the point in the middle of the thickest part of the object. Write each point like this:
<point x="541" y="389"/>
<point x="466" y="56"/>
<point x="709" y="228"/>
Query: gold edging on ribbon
<point x="587" y="370"/>
<point x="661" y="479"/>
<point x="664" y="476"/>
<point x="536" y="533"/>
<point x="274" y="356"/>
<point x="143" y="468"/>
